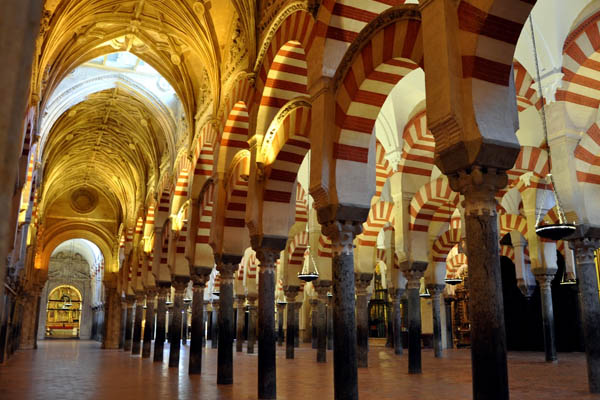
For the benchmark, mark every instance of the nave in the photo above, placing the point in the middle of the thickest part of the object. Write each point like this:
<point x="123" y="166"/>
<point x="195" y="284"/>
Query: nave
<point x="76" y="370"/>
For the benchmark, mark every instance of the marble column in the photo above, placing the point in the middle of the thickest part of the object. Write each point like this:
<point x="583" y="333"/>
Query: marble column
<point x="545" y="282"/>
<point x="298" y="306"/>
<point x="321" y="320"/>
<point x="214" y="325"/>
<point x="130" y="299"/>
<point x="290" y="293"/>
<point x="161" y="319"/>
<point x="449" y="329"/>
<point x="180" y="284"/>
<point x="314" y="304"/>
<point x="414" y="275"/>
<point x="30" y="316"/>
<point x="197" y="339"/>
<point x="436" y="291"/>
<point x="136" y="341"/>
<point x="397" y="320"/>
<point x="486" y="308"/>
<point x="149" y="326"/>
<point x="184" y="323"/>
<point x="123" y="322"/>
<point x="389" y="342"/>
<point x="329" y="322"/>
<point x="345" y="373"/>
<point x="280" y="333"/>
<point x="251" y="324"/>
<point x="587" y="284"/>
<point x="113" y="313"/>
<point x="239" y="336"/>
<point x="267" y="373"/>
<point x="362" y="282"/>
<point x="227" y="267"/>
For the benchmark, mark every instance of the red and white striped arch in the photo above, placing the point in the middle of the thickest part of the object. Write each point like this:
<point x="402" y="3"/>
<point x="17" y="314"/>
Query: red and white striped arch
<point x="235" y="135"/>
<point x="204" y="158"/>
<point x="530" y="159"/>
<point x="324" y="249"/>
<point x="524" y="86"/>
<point x="181" y="193"/>
<point x="454" y="261"/>
<point x="587" y="156"/>
<point x="387" y="57"/>
<point x="286" y="80"/>
<point x="237" y="193"/>
<point x="507" y="251"/>
<point x="301" y="204"/>
<point x="290" y="145"/>
<point x="203" y="255"/>
<point x="346" y="18"/>
<point x="446" y="241"/>
<point x="381" y="213"/>
<point x="418" y="148"/>
<point x="427" y="202"/>
<point x="512" y="222"/>
<point x="161" y="215"/>
<point x="382" y="170"/>
<point x="296" y="249"/>
<point x="580" y="65"/>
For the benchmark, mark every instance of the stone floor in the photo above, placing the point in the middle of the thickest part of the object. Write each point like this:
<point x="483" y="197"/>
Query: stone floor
<point x="81" y="370"/>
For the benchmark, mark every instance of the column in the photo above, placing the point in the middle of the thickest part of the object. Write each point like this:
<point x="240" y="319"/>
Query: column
<point x="251" y="324"/>
<point x="449" y="339"/>
<point x="184" y="323"/>
<point x="149" y="326"/>
<point x="267" y="373"/>
<point x="214" y="324"/>
<point x="413" y="285"/>
<point x="329" y="322"/>
<point x="389" y="342"/>
<point x="290" y="295"/>
<point x="130" y="299"/>
<point x="298" y="306"/>
<point x="28" y="338"/>
<point x="314" y="304"/>
<point x="587" y="284"/>
<point x="239" y="336"/>
<point x="113" y="313"/>
<point x="545" y="282"/>
<point x="486" y="308"/>
<point x="195" y="366"/>
<point x="227" y="266"/>
<point x="321" y="321"/>
<point x="136" y="342"/>
<point x="280" y="334"/>
<point x="436" y="291"/>
<point x="362" y="282"/>
<point x="123" y="323"/>
<point x="161" y="319"/>
<point x="397" y="320"/>
<point x="345" y="374"/>
<point x="180" y="284"/>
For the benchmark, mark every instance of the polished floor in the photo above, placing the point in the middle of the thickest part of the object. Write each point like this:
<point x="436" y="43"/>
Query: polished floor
<point x="80" y="370"/>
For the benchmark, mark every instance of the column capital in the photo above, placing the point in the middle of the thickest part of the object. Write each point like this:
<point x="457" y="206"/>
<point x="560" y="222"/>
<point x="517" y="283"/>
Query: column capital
<point x="151" y="293"/>
<point x="479" y="186"/>
<point x="436" y="288"/>
<point x="251" y="300"/>
<point x="268" y="249"/>
<point x="413" y="277"/>
<point x="362" y="282"/>
<point x="268" y="257"/>
<point x="544" y="280"/>
<point x="163" y="289"/>
<point x="226" y="271"/>
<point x="129" y="300"/>
<point x="290" y="293"/>
<point x="199" y="281"/>
<point x="180" y="283"/>
<point x="342" y="234"/>
<point x="584" y="249"/>
<point x="140" y="297"/>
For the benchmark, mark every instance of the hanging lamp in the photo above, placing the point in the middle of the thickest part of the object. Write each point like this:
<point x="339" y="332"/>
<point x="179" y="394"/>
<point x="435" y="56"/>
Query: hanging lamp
<point x="562" y="229"/>
<point x="306" y="274"/>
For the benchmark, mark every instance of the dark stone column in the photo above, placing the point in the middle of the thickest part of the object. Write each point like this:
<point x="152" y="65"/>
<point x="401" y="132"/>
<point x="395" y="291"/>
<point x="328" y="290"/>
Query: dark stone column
<point x="362" y="318"/>
<point x="298" y="306"/>
<point x="590" y="306"/>
<point x="113" y="319"/>
<point x="345" y="373"/>
<point x="280" y="333"/>
<point x="226" y="265"/>
<point x="413" y="285"/>
<point x="397" y="321"/>
<point x="314" y="304"/>
<point x="197" y="339"/>
<point x="290" y="294"/>
<point x="251" y="324"/>
<point x="267" y="372"/>
<point x="545" y="282"/>
<point x="449" y="338"/>
<point x="123" y="323"/>
<point x="329" y="322"/>
<point x="389" y="342"/>
<point x="161" y="320"/>
<point x="321" y="320"/>
<point x="128" y="323"/>
<point x="149" y="326"/>
<point x="136" y="343"/>
<point x="239" y="336"/>
<point x="184" y="322"/>
<point x="436" y="300"/>
<point x="180" y="284"/>
<point x="486" y="308"/>
<point x="214" y="325"/>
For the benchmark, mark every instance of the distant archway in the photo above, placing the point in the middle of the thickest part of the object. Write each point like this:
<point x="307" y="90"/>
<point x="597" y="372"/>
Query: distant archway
<point x="63" y="313"/>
